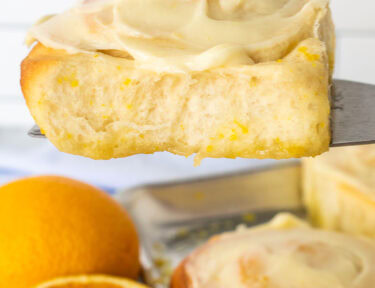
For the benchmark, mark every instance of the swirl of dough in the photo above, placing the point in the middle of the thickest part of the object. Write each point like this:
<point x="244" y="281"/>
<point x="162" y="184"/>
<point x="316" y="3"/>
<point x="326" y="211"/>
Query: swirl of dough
<point x="282" y="254"/>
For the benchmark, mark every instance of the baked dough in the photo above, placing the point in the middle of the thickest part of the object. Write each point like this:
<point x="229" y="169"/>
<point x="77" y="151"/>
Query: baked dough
<point x="339" y="189"/>
<point x="282" y="254"/>
<point x="96" y="100"/>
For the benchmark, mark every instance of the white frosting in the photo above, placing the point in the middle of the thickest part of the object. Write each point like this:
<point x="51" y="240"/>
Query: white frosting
<point x="284" y="254"/>
<point x="184" y="35"/>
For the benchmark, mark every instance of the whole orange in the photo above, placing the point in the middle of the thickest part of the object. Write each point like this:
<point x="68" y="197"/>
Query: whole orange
<point x="54" y="226"/>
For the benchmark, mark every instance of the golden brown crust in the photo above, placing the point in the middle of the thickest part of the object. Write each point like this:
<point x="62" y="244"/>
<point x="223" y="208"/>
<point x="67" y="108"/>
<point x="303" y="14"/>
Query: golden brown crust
<point x="32" y="66"/>
<point x="180" y="279"/>
<point x="27" y="71"/>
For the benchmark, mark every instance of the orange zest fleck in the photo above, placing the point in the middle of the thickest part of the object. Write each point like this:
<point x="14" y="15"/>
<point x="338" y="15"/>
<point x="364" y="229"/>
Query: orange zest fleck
<point x="74" y="83"/>
<point x="310" y="57"/>
<point x="233" y="137"/>
<point x="244" y="129"/>
<point x="209" y="148"/>
<point x="127" y="82"/>
<point x="253" y="82"/>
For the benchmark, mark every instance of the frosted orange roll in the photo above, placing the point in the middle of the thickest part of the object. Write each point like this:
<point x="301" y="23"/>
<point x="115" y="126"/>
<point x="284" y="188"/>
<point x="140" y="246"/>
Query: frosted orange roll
<point x="281" y="254"/>
<point x="339" y="189"/>
<point x="218" y="78"/>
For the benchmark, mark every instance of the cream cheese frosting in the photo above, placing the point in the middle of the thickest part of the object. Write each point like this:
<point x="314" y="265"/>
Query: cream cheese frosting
<point x="184" y="35"/>
<point x="283" y="254"/>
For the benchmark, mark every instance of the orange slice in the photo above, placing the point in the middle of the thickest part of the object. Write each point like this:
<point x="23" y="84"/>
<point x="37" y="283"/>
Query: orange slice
<point x="95" y="281"/>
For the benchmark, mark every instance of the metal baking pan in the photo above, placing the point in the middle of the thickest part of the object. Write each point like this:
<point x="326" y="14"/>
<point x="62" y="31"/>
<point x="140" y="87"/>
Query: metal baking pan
<point x="174" y="218"/>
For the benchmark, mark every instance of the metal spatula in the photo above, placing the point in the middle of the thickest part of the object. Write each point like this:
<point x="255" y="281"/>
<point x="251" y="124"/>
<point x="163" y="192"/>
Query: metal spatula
<point x="353" y="114"/>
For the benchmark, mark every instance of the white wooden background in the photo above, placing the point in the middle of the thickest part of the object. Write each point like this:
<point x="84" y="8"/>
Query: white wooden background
<point x="355" y="22"/>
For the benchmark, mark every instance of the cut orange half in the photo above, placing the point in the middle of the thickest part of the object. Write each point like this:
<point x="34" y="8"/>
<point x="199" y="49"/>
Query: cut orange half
<point x="91" y="282"/>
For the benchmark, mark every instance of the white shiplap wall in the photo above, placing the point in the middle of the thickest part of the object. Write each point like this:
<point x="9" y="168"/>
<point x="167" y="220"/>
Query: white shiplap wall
<point x="354" y="20"/>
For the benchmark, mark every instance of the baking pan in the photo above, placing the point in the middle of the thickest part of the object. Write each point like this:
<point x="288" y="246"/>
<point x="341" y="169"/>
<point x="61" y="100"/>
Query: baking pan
<point x="174" y="218"/>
